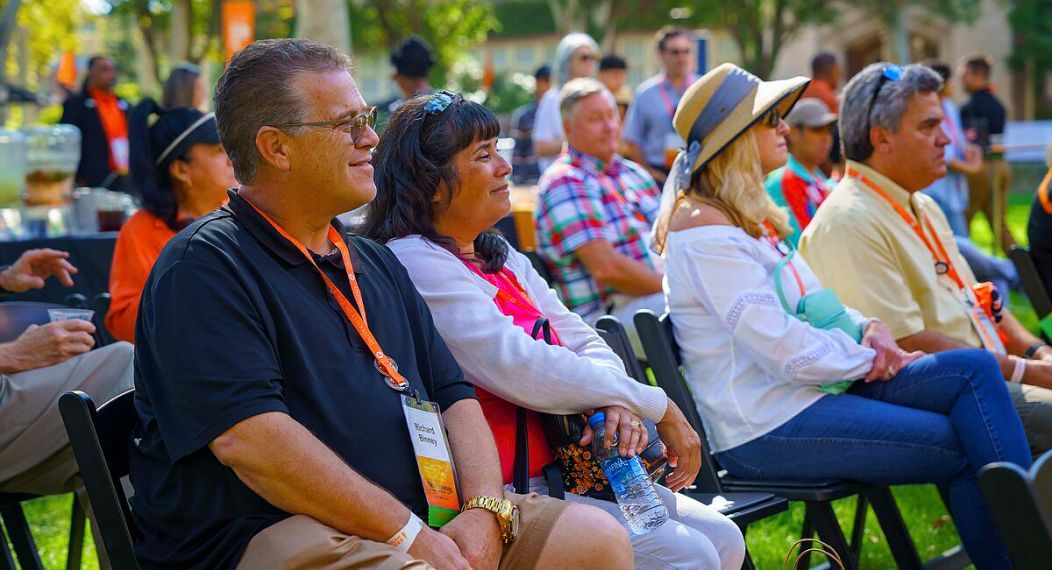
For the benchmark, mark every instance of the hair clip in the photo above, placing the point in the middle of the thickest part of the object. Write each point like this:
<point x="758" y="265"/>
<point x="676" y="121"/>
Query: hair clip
<point x="439" y="102"/>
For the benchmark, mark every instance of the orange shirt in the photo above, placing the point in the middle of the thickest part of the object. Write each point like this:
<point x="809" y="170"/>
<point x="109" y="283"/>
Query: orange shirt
<point x="819" y="89"/>
<point x="139" y="244"/>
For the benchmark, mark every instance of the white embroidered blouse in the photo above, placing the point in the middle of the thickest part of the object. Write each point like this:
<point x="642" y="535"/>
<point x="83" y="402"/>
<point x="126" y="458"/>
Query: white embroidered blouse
<point x="750" y="366"/>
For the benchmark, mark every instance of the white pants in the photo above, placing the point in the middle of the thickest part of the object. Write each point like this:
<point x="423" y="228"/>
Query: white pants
<point x="695" y="536"/>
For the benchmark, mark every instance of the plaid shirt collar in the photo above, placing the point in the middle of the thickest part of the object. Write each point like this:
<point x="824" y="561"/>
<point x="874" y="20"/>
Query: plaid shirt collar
<point x="593" y="165"/>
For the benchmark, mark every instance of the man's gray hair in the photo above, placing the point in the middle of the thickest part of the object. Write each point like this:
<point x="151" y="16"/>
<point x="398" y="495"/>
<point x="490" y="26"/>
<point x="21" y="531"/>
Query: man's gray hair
<point x="577" y="89"/>
<point x="856" y="116"/>
<point x="257" y="89"/>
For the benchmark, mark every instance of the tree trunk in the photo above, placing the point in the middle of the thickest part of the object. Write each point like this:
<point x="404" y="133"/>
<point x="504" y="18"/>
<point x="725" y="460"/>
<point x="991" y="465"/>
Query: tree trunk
<point x="325" y="21"/>
<point x="179" y="32"/>
<point x="900" y="34"/>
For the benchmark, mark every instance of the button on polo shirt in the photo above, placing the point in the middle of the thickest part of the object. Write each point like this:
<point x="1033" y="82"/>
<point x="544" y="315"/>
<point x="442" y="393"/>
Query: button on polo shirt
<point x="234" y="322"/>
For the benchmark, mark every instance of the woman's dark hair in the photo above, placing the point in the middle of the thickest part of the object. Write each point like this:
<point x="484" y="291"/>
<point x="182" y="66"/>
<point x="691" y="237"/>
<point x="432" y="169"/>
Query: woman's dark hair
<point x="414" y="157"/>
<point x="146" y="142"/>
<point x="179" y="87"/>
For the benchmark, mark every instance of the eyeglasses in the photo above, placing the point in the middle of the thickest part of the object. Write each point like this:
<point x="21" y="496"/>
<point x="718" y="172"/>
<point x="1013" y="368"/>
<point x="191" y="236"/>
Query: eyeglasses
<point x="355" y="125"/>
<point x="677" y="52"/>
<point x="889" y="73"/>
<point x="771" y="118"/>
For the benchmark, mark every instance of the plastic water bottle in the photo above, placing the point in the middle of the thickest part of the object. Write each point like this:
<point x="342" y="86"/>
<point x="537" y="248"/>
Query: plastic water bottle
<point x="635" y="493"/>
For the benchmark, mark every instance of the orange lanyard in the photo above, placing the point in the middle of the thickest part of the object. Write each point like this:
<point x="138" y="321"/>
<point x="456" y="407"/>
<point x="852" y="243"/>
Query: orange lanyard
<point x="772" y="238"/>
<point x="943" y="265"/>
<point x="384" y="364"/>
<point x="1042" y="192"/>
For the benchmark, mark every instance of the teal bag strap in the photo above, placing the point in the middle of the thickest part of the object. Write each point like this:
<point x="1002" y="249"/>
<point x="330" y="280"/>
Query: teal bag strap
<point x="778" y="269"/>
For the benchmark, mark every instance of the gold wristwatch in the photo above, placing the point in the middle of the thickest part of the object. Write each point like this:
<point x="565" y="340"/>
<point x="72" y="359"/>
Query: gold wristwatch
<point x="507" y="514"/>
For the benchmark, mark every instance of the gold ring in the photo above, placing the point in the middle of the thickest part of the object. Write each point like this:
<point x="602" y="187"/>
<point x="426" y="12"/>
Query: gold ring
<point x="636" y="424"/>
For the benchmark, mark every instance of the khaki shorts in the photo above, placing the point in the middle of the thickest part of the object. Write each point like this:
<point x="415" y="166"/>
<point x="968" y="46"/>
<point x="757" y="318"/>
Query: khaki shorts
<point x="302" y="542"/>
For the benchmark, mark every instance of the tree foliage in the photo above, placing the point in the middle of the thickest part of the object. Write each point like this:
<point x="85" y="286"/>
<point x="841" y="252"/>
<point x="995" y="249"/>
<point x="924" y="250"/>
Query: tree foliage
<point x="51" y="25"/>
<point x="451" y="27"/>
<point x="174" y="31"/>
<point x="761" y="28"/>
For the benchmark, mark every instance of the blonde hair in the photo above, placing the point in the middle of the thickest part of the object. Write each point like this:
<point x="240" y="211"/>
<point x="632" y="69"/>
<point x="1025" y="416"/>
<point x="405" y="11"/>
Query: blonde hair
<point x="732" y="182"/>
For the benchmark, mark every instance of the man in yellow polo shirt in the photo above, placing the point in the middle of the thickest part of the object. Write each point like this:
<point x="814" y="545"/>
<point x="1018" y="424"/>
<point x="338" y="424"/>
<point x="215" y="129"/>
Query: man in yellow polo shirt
<point x="888" y="251"/>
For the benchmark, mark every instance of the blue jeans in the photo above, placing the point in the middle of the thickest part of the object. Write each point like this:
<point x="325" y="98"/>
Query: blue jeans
<point x="938" y="421"/>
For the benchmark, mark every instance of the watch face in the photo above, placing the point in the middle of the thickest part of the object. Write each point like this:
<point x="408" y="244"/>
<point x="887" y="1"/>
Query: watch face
<point x="514" y="524"/>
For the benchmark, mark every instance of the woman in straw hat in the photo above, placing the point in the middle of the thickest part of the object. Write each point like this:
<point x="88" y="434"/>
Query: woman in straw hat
<point x="775" y="389"/>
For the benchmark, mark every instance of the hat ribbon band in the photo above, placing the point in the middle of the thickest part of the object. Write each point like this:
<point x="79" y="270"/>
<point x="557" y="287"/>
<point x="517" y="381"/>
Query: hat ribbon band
<point x="182" y="136"/>
<point x="731" y="92"/>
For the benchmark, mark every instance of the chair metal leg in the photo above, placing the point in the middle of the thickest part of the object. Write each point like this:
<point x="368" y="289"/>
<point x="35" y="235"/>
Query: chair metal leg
<point x="829" y="531"/>
<point x="858" y="530"/>
<point x="807" y="531"/>
<point x="21" y="538"/>
<point x="76" y="535"/>
<point x="899" y="540"/>
<point x="6" y="561"/>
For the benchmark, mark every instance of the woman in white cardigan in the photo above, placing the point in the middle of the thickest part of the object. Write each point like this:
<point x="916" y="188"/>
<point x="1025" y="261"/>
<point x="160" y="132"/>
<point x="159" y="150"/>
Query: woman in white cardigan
<point x="440" y="186"/>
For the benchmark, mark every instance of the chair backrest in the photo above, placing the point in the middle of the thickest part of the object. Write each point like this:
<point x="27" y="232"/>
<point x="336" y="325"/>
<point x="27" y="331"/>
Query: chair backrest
<point x="613" y="333"/>
<point x="1014" y="502"/>
<point x="100" y="438"/>
<point x="1033" y="286"/>
<point x="16" y="316"/>
<point x="663" y="357"/>
<point x="539" y="266"/>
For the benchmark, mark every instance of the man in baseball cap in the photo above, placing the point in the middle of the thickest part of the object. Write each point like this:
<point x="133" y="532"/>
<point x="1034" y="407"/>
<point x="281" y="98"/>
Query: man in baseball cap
<point x="800" y="185"/>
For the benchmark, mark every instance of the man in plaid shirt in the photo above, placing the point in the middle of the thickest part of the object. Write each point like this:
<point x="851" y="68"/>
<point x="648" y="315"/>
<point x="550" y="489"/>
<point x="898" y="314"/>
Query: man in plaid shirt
<point x="594" y="214"/>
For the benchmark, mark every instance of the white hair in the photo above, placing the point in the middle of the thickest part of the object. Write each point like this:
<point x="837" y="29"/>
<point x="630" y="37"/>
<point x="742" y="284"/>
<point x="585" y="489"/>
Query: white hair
<point x="577" y="89"/>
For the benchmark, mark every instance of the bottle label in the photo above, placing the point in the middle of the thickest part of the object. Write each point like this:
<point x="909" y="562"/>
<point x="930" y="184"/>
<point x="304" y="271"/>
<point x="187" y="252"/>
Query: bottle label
<point x="621" y="471"/>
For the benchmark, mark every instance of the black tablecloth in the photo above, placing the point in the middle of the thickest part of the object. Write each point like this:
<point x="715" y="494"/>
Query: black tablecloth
<point x="91" y="254"/>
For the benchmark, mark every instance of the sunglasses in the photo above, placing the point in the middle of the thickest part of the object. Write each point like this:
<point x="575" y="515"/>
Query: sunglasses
<point x="355" y="125"/>
<point x="771" y="118"/>
<point x="586" y="57"/>
<point x="889" y="73"/>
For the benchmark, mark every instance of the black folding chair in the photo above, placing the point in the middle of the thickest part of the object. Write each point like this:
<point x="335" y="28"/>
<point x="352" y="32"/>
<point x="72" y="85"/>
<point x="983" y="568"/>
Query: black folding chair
<point x="1033" y="286"/>
<point x="664" y="358"/>
<point x="539" y="266"/>
<point x="1020" y="503"/>
<point x="99" y="438"/>
<point x="15" y="318"/>
<point x="742" y="507"/>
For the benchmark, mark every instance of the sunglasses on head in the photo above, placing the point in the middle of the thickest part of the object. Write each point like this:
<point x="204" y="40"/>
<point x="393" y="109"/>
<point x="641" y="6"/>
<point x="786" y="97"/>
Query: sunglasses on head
<point x="890" y="72"/>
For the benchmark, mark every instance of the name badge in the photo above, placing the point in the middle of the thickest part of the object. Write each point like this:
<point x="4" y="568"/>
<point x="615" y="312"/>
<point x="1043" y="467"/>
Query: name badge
<point x="433" y="459"/>
<point x="119" y="150"/>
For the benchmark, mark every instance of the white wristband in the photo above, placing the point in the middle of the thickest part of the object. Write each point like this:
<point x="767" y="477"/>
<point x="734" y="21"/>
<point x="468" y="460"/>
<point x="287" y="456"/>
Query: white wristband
<point x="404" y="538"/>
<point x="1018" y="370"/>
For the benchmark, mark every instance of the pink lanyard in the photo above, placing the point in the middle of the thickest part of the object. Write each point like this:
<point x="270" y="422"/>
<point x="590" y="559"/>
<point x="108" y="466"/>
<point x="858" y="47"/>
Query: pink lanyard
<point x="665" y="88"/>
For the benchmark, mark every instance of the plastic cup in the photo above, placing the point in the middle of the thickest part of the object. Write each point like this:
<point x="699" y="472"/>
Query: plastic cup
<point x="68" y="314"/>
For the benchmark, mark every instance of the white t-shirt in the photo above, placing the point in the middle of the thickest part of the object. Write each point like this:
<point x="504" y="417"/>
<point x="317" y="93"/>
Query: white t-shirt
<point x="548" y="125"/>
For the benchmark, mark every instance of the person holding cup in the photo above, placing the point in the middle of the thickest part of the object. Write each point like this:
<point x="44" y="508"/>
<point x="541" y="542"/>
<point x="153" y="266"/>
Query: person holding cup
<point x="182" y="172"/>
<point x="39" y="366"/>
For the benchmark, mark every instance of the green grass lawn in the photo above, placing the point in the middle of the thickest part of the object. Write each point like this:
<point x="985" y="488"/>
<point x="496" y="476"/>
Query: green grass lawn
<point x="768" y="540"/>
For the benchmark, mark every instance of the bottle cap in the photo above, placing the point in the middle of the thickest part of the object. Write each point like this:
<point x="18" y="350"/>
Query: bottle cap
<point x="596" y="420"/>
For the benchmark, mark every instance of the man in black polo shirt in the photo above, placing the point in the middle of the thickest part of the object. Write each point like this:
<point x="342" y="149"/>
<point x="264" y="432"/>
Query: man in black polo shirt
<point x="271" y="435"/>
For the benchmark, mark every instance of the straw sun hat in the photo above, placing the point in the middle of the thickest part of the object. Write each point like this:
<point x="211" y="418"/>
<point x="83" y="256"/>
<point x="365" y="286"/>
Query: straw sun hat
<point x="722" y="105"/>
